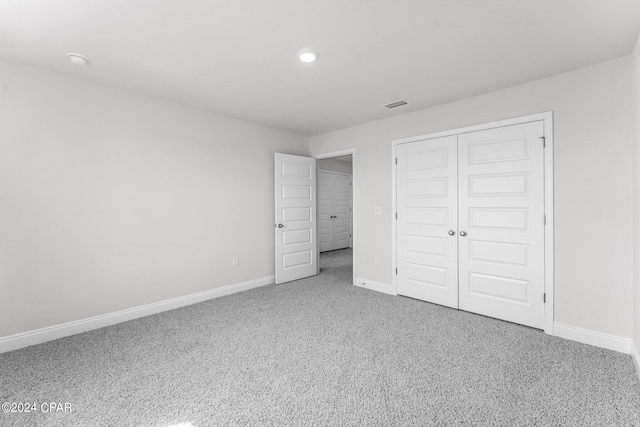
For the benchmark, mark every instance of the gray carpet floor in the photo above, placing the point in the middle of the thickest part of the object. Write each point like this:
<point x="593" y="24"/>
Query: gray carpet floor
<point x="320" y="351"/>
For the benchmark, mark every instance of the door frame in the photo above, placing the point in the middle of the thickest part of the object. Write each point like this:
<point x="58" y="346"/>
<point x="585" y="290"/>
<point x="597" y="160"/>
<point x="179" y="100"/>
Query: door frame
<point x="350" y="175"/>
<point x="547" y="119"/>
<point x="328" y="155"/>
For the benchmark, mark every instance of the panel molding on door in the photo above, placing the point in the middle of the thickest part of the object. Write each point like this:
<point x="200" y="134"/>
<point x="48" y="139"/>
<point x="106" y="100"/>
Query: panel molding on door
<point x="295" y="217"/>
<point x="426" y="206"/>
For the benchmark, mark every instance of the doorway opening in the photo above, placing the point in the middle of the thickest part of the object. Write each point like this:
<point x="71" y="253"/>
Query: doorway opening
<point x="335" y="212"/>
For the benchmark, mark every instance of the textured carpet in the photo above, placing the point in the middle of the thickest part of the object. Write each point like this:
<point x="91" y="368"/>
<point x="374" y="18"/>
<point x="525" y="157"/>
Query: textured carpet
<point x="320" y="352"/>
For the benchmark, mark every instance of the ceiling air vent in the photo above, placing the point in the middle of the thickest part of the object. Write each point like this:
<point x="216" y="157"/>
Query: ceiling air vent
<point x="396" y="104"/>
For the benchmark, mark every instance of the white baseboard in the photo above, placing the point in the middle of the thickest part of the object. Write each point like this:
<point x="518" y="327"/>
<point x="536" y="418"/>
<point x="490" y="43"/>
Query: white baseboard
<point x="598" y="339"/>
<point x="636" y="357"/>
<point x="374" y="286"/>
<point x="38" y="336"/>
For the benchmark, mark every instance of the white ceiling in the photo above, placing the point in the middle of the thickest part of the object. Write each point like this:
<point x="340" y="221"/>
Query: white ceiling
<point x="237" y="57"/>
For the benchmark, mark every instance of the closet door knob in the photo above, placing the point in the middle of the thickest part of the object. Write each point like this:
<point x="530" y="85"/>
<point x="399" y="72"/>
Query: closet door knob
<point x="463" y="233"/>
<point x="452" y="233"/>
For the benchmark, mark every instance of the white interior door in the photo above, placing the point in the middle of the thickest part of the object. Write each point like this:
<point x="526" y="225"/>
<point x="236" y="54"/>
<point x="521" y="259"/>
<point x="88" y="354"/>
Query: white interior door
<point x="295" y="217"/>
<point x="501" y="220"/>
<point x="341" y="206"/>
<point x="325" y="212"/>
<point x="334" y="205"/>
<point x="470" y="226"/>
<point x="426" y="202"/>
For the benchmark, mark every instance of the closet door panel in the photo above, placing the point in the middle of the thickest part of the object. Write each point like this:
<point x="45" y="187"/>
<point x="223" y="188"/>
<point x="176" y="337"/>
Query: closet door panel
<point x="334" y="200"/>
<point x="325" y="226"/>
<point x="341" y="204"/>
<point x="426" y="191"/>
<point x="501" y="210"/>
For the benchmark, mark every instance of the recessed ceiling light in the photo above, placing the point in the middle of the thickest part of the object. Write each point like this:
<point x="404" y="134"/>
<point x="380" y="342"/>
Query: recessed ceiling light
<point x="307" y="55"/>
<point x="78" y="59"/>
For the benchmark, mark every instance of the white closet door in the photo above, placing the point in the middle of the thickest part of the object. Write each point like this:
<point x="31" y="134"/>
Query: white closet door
<point x="426" y="201"/>
<point x="501" y="223"/>
<point x="334" y="203"/>
<point x="325" y="212"/>
<point x="341" y="196"/>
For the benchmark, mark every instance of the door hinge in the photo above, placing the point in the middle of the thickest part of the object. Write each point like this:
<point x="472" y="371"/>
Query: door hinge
<point x="544" y="220"/>
<point x="396" y="160"/>
<point x="396" y="215"/>
<point x="544" y="141"/>
<point x="544" y="298"/>
<point x="396" y="270"/>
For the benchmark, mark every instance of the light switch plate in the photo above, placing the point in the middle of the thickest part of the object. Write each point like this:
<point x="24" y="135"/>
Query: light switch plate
<point x="377" y="210"/>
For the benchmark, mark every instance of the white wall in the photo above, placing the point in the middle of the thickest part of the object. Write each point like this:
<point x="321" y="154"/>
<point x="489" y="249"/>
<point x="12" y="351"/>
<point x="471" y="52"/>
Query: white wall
<point x="110" y="200"/>
<point x="335" y="165"/>
<point x="593" y="187"/>
<point x="636" y="193"/>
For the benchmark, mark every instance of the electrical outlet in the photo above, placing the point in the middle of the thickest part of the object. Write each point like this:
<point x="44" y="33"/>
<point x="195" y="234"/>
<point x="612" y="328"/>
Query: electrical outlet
<point x="376" y="260"/>
<point x="377" y="210"/>
<point x="235" y="261"/>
